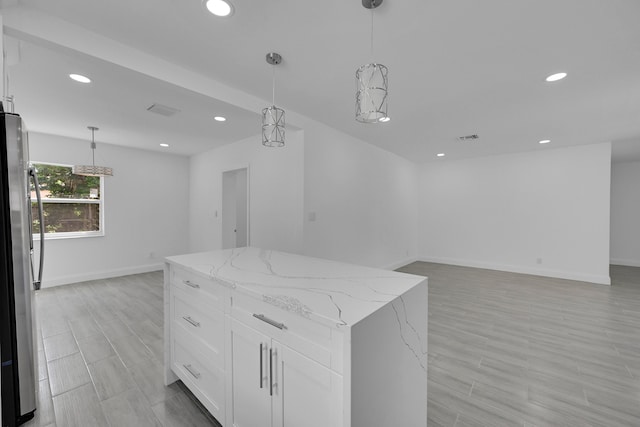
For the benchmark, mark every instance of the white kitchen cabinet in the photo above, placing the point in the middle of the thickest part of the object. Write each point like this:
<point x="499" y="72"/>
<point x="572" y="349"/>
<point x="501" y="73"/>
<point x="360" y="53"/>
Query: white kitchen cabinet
<point x="251" y="402"/>
<point x="206" y="381"/>
<point x="274" y="385"/>
<point x="309" y="394"/>
<point x="269" y="339"/>
<point x="196" y="325"/>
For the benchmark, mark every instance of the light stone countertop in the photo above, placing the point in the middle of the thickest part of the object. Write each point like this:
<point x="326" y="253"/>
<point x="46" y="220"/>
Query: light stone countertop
<point x="333" y="293"/>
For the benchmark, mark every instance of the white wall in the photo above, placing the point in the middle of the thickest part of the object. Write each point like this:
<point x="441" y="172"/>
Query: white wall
<point x="275" y="193"/>
<point x="625" y="214"/>
<point x="363" y="199"/>
<point x="500" y="212"/>
<point x="504" y="212"/>
<point x="146" y="211"/>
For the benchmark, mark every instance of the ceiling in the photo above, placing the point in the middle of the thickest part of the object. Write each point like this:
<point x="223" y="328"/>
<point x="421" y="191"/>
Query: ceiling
<point x="456" y="68"/>
<point x="116" y="102"/>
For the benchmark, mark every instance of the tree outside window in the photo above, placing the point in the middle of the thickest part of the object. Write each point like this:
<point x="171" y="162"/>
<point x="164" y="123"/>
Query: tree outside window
<point x="72" y="203"/>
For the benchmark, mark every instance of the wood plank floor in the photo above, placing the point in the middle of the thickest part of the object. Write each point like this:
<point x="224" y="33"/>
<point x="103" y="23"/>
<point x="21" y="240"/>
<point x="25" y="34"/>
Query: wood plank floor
<point x="100" y="354"/>
<point x="504" y="350"/>
<point x="516" y="350"/>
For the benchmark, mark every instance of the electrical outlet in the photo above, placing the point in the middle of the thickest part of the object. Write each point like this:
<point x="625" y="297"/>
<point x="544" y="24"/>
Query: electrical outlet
<point x="152" y="255"/>
<point x="312" y="216"/>
<point x="539" y="261"/>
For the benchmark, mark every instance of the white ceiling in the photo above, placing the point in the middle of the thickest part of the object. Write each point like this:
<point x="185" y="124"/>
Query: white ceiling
<point x="456" y="68"/>
<point x="116" y="102"/>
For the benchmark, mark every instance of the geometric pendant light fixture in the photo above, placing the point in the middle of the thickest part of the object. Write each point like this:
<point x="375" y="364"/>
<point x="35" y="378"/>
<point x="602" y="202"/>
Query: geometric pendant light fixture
<point x="92" y="170"/>
<point x="372" y="84"/>
<point x="273" y="122"/>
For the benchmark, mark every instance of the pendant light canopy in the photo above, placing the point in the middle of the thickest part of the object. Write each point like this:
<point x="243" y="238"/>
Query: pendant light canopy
<point x="273" y="119"/>
<point x="92" y="170"/>
<point x="372" y="84"/>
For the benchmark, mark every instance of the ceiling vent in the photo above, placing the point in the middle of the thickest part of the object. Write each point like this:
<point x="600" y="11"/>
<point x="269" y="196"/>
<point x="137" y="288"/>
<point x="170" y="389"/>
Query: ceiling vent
<point x="163" y="110"/>
<point x="468" y="137"/>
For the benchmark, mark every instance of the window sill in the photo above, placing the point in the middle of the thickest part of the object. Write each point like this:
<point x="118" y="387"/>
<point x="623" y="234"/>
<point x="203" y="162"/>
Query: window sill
<point x="62" y="236"/>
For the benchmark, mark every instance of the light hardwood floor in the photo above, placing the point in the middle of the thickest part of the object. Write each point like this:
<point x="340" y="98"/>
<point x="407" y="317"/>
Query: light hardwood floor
<point x="100" y="352"/>
<point x="504" y="350"/>
<point x="515" y="350"/>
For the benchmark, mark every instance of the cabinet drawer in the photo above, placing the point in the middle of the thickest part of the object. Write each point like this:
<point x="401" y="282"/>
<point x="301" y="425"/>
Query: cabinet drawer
<point x="199" y="287"/>
<point x="205" y="382"/>
<point x="207" y="327"/>
<point x="307" y="337"/>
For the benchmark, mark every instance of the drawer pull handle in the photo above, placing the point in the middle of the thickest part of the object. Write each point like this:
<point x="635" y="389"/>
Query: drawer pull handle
<point x="269" y="321"/>
<point x="193" y="285"/>
<point x="193" y="372"/>
<point x="190" y="320"/>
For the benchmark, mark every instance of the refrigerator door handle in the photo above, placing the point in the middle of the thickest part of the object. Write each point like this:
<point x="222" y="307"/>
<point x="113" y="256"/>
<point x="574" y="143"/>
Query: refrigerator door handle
<point x="34" y="175"/>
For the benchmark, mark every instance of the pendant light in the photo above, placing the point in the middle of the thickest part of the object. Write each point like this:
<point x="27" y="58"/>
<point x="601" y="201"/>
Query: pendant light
<point x="372" y="84"/>
<point x="92" y="170"/>
<point x="273" y="124"/>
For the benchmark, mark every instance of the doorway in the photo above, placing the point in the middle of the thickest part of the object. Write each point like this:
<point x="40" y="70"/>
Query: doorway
<point x="235" y="208"/>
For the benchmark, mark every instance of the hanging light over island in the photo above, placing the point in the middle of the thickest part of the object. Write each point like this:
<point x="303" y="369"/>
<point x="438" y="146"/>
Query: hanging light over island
<point x="273" y="119"/>
<point x="372" y="84"/>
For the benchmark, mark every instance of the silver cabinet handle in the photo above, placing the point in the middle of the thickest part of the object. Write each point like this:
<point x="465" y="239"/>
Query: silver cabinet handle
<point x="193" y="372"/>
<point x="261" y="374"/>
<point x="270" y="372"/>
<point x="193" y="285"/>
<point x="269" y="321"/>
<point x="190" y="320"/>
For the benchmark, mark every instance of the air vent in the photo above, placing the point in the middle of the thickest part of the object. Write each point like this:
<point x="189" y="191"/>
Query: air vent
<point x="468" y="137"/>
<point x="163" y="110"/>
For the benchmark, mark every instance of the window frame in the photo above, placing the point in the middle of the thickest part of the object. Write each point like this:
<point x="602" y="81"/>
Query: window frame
<point x="73" y="234"/>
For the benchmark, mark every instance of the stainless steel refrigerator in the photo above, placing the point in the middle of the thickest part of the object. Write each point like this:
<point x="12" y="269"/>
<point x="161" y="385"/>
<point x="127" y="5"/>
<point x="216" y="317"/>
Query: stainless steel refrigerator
<point x="17" y="279"/>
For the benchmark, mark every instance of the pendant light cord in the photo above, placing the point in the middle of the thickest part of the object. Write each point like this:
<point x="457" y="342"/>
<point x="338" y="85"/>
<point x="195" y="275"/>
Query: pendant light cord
<point x="372" y="34"/>
<point x="273" y="84"/>
<point x="93" y="147"/>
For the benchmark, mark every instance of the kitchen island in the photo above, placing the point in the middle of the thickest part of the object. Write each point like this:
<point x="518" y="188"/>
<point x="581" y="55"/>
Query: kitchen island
<point x="266" y="338"/>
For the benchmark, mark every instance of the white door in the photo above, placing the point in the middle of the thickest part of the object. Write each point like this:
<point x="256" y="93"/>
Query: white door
<point x="228" y="210"/>
<point x="235" y="208"/>
<point x="242" y="205"/>
<point x="251" y="406"/>
<point x="306" y="393"/>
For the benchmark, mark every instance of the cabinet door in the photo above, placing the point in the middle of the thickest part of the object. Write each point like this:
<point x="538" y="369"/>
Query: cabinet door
<point x="251" y="404"/>
<point x="306" y="393"/>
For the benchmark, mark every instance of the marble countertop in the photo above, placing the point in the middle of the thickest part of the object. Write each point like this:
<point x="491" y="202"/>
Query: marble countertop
<point x="333" y="293"/>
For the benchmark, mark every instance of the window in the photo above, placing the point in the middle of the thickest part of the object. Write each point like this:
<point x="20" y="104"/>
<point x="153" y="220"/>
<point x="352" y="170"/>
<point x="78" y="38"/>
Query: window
<point x="72" y="204"/>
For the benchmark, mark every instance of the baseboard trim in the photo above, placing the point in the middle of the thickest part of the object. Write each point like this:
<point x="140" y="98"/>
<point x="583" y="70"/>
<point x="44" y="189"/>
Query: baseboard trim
<point x="106" y="274"/>
<point x="590" y="278"/>
<point x="625" y="262"/>
<point x="399" y="264"/>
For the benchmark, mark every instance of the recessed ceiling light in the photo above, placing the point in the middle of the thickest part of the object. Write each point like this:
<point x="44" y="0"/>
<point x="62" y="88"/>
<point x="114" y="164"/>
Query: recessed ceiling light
<point x="545" y="141"/>
<point x="164" y="145"/>
<point x="219" y="7"/>
<point x="384" y="119"/>
<point x="80" y="78"/>
<point x="220" y="119"/>
<point x="440" y="154"/>
<point x="556" y="77"/>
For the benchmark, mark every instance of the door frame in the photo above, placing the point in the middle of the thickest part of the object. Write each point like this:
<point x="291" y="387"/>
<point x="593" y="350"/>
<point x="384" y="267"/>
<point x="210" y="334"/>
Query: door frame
<point x="234" y="168"/>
